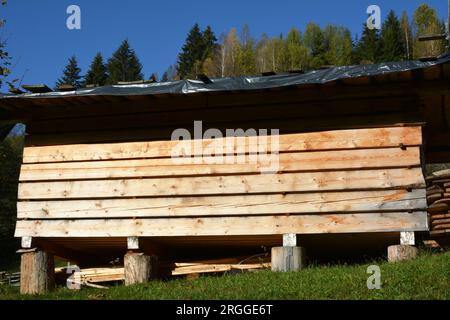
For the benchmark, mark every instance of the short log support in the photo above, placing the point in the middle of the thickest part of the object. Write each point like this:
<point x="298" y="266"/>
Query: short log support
<point x="37" y="271"/>
<point x="138" y="267"/>
<point x="404" y="251"/>
<point x="289" y="257"/>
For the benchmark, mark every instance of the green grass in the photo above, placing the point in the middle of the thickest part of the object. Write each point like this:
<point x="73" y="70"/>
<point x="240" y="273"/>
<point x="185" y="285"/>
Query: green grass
<point x="427" y="277"/>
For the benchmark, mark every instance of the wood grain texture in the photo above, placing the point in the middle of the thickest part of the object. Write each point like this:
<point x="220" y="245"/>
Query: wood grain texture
<point x="220" y="226"/>
<point x="245" y="184"/>
<point x="342" y="139"/>
<point x="225" y="205"/>
<point x="36" y="272"/>
<point x="286" y="162"/>
<point x="138" y="268"/>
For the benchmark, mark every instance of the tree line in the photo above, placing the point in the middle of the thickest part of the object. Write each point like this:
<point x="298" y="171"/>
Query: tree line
<point x="239" y="53"/>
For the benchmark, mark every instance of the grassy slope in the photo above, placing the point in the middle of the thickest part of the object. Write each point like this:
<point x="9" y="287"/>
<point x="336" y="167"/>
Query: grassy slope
<point x="427" y="277"/>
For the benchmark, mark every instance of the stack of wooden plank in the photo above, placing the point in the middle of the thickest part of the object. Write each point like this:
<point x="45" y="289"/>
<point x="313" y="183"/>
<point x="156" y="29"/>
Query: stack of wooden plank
<point x="345" y="181"/>
<point x="12" y="279"/>
<point x="217" y="265"/>
<point x="438" y="198"/>
<point x="93" y="276"/>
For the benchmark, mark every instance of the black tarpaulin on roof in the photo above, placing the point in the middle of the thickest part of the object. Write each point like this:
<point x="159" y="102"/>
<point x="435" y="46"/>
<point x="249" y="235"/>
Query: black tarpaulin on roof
<point x="244" y="83"/>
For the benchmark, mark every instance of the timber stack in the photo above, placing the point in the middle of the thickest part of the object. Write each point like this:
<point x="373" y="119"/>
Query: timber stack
<point x="438" y="198"/>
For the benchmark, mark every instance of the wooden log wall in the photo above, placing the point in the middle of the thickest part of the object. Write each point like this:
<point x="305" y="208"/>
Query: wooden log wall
<point x="346" y="181"/>
<point x="438" y="198"/>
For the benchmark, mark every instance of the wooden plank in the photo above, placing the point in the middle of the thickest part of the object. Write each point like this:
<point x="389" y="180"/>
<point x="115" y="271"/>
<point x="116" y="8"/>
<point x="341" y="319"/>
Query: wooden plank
<point x="438" y="208"/>
<point x="434" y="197"/>
<point x="442" y="226"/>
<point x="220" y="226"/>
<point x="439" y="232"/>
<point x="96" y="275"/>
<point x="285" y="125"/>
<point x="343" y="139"/>
<point x="360" y="201"/>
<point x="440" y="216"/>
<point x="212" y="268"/>
<point x="285" y="162"/>
<point x="263" y="183"/>
<point x="436" y="222"/>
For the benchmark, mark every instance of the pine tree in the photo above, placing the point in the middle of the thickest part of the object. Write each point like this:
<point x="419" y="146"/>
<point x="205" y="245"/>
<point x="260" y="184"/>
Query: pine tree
<point x="124" y="65"/>
<point x="209" y="42"/>
<point x="71" y="74"/>
<point x="392" y="41"/>
<point x="192" y="52"/>
<point x="198" y="47"/>
<point x="368" y="48"/>
<point x="97" y="74"/>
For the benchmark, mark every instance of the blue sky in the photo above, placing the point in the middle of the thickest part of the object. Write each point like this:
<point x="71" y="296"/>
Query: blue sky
<point x="40" y="43"/>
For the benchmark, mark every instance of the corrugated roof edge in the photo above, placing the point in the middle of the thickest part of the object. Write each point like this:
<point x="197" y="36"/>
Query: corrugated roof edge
<point x="244" y="83"/>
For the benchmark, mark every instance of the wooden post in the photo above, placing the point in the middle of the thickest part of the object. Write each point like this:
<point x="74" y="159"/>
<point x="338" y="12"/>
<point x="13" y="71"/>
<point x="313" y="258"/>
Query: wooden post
<point x="139" y="268"/>
<point x="36" y="272"/>
<point x="289" y="257"/>
<point x="406" y="249"/>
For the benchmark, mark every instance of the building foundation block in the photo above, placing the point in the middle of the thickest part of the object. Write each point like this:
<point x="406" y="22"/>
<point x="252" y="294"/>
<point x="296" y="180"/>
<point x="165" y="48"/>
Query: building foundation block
<point x="37" y="272"/>
<point x="401" y="253"/>
<point x="139" y="268"/>
<point x="285" y="259"/>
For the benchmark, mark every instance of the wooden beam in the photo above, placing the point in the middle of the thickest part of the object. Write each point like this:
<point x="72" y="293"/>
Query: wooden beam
<point x="358" y="201"/>
<point x="220" y="226"/>
<point x="245" y="184"/>
<point x="284" y="162"/>
<point x="331" y="140"/>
